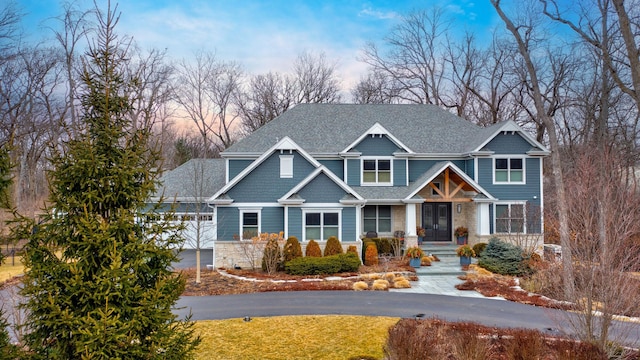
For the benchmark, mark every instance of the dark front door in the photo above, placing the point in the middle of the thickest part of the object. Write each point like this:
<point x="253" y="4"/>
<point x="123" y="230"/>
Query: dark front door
<point x="436" y="220"/>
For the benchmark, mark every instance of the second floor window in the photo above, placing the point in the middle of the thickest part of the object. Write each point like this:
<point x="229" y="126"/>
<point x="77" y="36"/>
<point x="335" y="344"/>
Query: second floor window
<point x="508" y="170"/>
<point x="376" y="171"/>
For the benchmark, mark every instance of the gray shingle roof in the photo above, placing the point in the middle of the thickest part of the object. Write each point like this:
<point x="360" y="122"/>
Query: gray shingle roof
<point x="330" y="128"/>
<point x="183" y="181"/>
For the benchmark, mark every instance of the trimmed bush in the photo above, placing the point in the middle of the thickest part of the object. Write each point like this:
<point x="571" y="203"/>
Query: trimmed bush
<point x="503" y="258"/>
<point x="323" y="265"/>
<point x="386" y="246"/>
<point x="292" y="249"/>
<point x="360" y="285"/>
<point x="371" y="255"/>
<point x="479" y="248"/>
<point x="352" y="249"/>
<point x="380" y="284"/>
<point x="313" y="249"/>
<point x="365" y="243"/>
<point x="333" y="247"/>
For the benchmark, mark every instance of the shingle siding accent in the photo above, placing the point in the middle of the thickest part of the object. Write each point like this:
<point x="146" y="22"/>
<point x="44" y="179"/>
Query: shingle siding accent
<point x="322" y="190"/>
<point x="509" y="144"/>
<point x="376" y="146"/>
<point x="264" y="184"/>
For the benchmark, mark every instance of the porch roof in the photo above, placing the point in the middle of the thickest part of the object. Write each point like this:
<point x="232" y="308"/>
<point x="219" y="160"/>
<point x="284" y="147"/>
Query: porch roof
<point x="398" y="194"/>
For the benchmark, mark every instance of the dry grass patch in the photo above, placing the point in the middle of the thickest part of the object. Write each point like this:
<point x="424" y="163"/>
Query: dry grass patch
<point x="294" y="337"/>
<point x="10" y="269"/>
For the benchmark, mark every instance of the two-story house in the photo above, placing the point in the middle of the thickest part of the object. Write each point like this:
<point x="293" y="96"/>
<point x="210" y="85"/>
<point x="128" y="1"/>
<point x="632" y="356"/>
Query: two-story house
<point x="322" y="170"/>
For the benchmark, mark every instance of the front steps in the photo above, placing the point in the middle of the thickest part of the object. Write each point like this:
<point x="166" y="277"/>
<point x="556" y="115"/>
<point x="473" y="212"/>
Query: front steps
<point x="449" y="263"/>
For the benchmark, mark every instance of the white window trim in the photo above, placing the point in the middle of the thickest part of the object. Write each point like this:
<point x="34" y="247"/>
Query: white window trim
<point x="509" y="182"/>
<point x="241" y="223"/>
<point x="321" y="211"/>
<point x="377" y="183"/>
<point x="377" y="230"/>
<point x="286" y="166"/>
<point x="509" y="203"/>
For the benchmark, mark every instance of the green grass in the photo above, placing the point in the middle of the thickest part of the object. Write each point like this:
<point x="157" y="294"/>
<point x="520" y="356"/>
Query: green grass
<point x="7" y="271"/>
<point x="294" y="337"/>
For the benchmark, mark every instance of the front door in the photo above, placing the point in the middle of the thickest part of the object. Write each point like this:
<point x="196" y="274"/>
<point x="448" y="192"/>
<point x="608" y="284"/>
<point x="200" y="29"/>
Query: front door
<point x="436" y="220"/>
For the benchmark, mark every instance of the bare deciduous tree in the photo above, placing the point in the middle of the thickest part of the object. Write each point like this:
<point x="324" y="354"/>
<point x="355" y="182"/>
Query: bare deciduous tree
<point x="266" y="97"/>
<point x="522" y="35"/>
<point x="205" y="90"/>
<point x="316" y="79"/>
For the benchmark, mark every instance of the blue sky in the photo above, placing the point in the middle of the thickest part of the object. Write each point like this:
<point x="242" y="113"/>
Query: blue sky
<point x="267" y="35"/>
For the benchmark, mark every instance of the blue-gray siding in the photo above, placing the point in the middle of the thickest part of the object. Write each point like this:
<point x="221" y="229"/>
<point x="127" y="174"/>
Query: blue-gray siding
<point x="264" y="184"/>
<point x="322" y="190"/>
<point x="353" y="172"/>
<point x="228" y="223"/>
<point x="418" y="167"/>
<point x="512" y="191"/>
<point x="272" y="219"/>
<point x="509" y="144"/>
<point x="295" y="222"/>
<point x="376" y="146"/>
<point x="236" y="166"/>
<point x="400" y="172"/>
<point x="348" y="223"/>
<point x="336" y="167"/>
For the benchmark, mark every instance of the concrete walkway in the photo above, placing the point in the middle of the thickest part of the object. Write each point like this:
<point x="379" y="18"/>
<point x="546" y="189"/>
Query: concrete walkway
<point x="442" y="276"/>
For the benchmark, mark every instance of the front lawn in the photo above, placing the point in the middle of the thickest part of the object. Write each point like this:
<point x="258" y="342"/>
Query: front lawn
<point x="10" y="268"/>
<point x="294" y="337"/>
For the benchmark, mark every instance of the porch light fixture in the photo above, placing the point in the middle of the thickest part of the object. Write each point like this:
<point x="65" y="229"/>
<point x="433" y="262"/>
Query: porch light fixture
<point x="459" y="208"/>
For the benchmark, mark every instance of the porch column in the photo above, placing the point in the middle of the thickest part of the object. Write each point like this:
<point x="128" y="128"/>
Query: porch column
<point x="410" y="236"/>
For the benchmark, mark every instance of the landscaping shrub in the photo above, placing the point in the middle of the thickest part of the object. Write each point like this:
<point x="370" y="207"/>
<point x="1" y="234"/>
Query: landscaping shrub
<point x="292" y="249"/>
<point x="360" y="285"/>
<point x="365" y="244"/>
<point x="380" y="284"/>
<point x="386" y="246"/>
<point x="323" y="265"/>
<point x="371" y="255"/>
<point x="272" y="256"/>
<point x="352" y="249"/>
<point x="313" y="249"/>
<point x="479" y="248"/>
<point x="333" y="247"/>
<point x="503" y="258"/>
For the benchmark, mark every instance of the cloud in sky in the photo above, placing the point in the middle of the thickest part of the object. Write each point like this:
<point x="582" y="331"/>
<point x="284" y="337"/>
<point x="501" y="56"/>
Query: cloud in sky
<point x="263" y="35"/>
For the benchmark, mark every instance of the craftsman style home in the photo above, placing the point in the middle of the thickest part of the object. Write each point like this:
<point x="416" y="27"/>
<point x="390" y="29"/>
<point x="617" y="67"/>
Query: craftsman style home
<point x="322" y="170"/>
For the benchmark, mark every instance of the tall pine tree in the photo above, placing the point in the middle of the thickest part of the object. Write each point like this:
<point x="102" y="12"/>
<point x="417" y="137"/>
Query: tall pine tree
<point x="99" y="283"/>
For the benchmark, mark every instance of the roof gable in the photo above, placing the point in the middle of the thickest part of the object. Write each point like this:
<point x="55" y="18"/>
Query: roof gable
<point x="378" y="130"/>
<point x="282" y="145"/>
<point x="292" y="196"/>
<point x="510" y="127"/>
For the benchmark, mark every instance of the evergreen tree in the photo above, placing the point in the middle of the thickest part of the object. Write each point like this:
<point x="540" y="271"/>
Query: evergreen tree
<point x="99" y="283"/>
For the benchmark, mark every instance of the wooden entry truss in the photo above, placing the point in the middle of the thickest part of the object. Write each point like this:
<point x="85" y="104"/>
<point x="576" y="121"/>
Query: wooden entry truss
<point x="448" y="194"/>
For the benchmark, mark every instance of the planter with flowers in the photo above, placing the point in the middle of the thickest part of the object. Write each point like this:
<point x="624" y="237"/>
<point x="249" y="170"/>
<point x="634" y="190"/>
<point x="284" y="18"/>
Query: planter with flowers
<point x="421" y="233"/>
<point x="415" y="256"/>
<point x="465" y="252"/>
<point x="461" y="233"/>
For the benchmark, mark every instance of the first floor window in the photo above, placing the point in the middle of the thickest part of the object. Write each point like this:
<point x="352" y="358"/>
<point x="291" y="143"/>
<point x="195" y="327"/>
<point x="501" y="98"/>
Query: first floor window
<point x="377" y="218"/>
<point x="321" y="225"/>
<point x="250" y="221"/>
<point x="509" y="218"/>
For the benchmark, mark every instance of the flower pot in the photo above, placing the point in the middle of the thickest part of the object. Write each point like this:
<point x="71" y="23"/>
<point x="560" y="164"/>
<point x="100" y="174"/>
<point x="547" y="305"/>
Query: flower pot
<point x="415" y="262"/>
<point x="465" y="260"/>
<point x="461" y="240"/>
